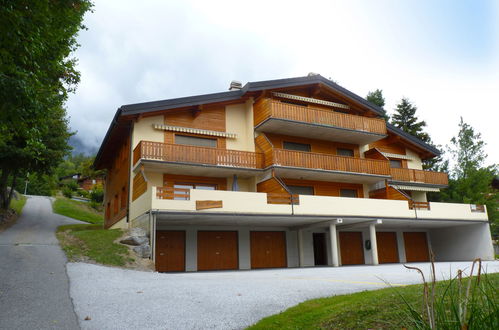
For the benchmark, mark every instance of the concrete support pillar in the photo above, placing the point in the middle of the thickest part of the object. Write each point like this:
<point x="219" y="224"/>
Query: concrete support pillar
<point x="374" y="245"/>
<point x="191" y="250"/>
<point x="301" y="255"/>
<point x="334" y="245"/>
<point x="244" y="249"/>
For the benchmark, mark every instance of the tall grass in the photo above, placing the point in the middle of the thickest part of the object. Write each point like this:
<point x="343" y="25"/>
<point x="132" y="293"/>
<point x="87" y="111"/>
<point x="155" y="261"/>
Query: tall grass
<point x="465" y="302"/>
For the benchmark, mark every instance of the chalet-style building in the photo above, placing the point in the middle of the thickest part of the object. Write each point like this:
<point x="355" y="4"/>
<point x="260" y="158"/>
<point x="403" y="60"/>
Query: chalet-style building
<point x="282" y="173"/>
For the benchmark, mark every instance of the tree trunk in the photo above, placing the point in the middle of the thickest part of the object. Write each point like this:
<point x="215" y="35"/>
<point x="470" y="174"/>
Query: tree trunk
<point x="3" y="189"/>
<point x="13" y="184"/>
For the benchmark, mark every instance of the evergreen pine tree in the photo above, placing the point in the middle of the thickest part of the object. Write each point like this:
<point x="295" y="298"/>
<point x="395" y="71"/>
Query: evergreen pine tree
<point x="377" y="98"/>
<point x="405" y="119"/>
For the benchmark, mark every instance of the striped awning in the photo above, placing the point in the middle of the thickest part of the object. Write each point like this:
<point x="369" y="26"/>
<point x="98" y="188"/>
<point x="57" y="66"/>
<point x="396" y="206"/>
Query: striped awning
<point x="415" y="188"/>
<point x="194" y="131"/>
<point x="311" y="100"/>
<point x="398" y="156"/>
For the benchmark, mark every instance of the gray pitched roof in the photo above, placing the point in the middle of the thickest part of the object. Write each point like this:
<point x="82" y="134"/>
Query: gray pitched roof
<point x="137" y="108"/>
<point x="413" y="139"/>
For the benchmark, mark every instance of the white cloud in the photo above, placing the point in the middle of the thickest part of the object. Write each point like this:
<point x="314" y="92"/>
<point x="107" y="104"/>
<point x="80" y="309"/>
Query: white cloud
<point x="149" y="50"/>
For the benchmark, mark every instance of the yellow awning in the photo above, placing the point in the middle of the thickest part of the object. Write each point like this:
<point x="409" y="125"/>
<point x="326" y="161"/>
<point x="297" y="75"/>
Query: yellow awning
<point x="415" y="188"/>
<point x="398" y="156"/>
<point x="194" y="131"/>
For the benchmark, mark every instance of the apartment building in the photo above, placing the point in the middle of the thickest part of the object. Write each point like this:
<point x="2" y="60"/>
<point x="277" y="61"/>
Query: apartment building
<point x="283" y="173"/>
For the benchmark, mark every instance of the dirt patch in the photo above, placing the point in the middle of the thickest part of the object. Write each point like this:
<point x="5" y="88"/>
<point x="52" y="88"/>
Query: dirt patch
<point x="7" y="219"/>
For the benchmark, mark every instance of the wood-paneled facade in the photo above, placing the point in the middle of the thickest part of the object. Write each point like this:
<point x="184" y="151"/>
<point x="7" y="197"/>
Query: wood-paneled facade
<point x="224" y="144"/>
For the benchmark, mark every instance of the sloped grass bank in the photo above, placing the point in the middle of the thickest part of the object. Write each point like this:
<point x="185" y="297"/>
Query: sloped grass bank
<point x="379" y="309"/>
<point x="18" y="204"/>
<point x="77" y="210"/>
<point x="93" y="243"/>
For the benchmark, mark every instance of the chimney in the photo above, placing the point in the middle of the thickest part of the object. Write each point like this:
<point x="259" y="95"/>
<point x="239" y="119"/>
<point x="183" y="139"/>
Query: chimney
<point x="234" y="85"/>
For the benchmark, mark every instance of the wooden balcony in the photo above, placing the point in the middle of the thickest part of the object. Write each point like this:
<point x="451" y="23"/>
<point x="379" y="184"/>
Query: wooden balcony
<point x="310" y="160"/>
<point x="412" y="175"/>
<point x="184" y="154"/>
<point x="289" y="119"/>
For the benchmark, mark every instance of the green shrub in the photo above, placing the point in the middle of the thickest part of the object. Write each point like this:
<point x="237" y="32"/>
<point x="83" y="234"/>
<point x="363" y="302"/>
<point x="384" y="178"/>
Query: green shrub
<point x="67" y="192"/>
<point x="72" y="185"/>
<point x="97" y="194"/>
<point x="83" y="193"/>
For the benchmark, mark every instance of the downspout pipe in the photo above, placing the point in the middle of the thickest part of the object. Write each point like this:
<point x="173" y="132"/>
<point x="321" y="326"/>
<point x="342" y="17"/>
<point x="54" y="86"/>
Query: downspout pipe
<point x="288" y="191"/>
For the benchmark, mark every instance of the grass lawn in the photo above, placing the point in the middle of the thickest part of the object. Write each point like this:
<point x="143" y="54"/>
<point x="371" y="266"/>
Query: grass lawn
<point x="18" y="204"/>
<point x="363" y="310"/>
<point x="77" y="210"/>
<point x="81" y="242"/>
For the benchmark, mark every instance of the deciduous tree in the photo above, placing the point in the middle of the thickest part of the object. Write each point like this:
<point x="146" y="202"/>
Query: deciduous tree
<point x="36" y="75"/>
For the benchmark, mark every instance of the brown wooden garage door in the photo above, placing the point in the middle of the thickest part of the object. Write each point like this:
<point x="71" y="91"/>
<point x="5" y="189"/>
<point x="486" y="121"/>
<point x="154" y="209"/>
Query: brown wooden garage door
<point x="268" y="249"/>
<point x="416" y="247"/>
<point x="217" y="250"/>
<point x="170" y="251"/>
<point x="387" y="247"/>
<point x="352" y="250"/>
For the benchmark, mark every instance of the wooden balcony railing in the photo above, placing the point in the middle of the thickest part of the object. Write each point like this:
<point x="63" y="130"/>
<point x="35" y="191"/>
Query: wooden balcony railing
<point x="419" y="205"/>
<point x="411" y="175"/>
<point x="330" y="162"/>
<point x="173" y="193"/>
<point x="282" y="198"/>
<point x="197" y="155"/>
<point x="269" y="108"/>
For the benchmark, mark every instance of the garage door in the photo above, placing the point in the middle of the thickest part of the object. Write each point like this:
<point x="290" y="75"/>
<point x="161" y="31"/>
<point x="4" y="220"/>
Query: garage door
<point x="170" y="251"/>
<point x="268" y="249"/>
<point x="352" y="250"/>
<point x="416" y="247"/>
<point x="387" y="247"/>
<point x="217" y="250"/>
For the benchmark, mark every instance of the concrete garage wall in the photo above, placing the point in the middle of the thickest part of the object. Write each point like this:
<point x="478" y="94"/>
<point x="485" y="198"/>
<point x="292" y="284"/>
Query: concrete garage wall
<point x="243" y="243"/>
<point x="462" y="243"/>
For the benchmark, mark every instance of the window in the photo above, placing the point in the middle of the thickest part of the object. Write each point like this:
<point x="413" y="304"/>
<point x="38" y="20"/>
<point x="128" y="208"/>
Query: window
<point x="195" y="141"/>
<point x="296" y="146"/>
<point x="181" y="190"/>
<point x="344" y="152"/>
<point x="395" y="163"/>
<point x="348" y="193"/>
<point x="301" y="190"/>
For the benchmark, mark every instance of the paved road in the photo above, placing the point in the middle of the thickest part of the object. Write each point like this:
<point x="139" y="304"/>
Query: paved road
<point x="117" y="298"/>
<point x="34" y="288"/>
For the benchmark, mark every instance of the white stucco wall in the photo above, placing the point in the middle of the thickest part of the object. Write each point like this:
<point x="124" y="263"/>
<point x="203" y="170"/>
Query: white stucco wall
<point x="415" y="162"/>
<point x="462" y="243"/>
<point x="419" y="196"/>
<point x="122" y="224"/>
<point x="236" y="117"/>
<point x="143" y="130"/>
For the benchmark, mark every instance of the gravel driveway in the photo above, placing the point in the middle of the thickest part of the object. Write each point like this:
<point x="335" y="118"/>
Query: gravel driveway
<point x="125" y="299"/>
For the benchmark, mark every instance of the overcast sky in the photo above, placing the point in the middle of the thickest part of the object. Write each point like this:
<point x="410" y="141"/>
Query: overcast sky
<point x="442" y="55"/>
